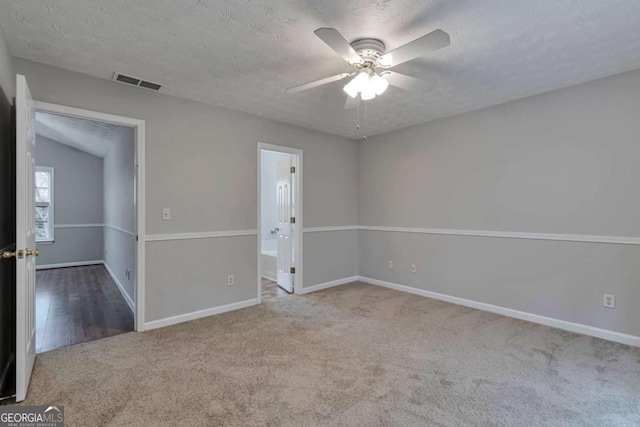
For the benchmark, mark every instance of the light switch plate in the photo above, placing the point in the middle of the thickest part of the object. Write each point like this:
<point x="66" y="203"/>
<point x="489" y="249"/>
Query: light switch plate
<point x="166" y="214"/>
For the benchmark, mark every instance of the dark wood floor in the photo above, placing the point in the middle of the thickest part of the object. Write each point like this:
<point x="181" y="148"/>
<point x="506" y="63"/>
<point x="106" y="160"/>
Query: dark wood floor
<point x="270" y="289"/>
<point x="78" y="304"/>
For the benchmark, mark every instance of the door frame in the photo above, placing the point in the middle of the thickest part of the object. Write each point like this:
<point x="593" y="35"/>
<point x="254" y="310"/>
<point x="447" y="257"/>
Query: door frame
<point x="297" y="227"/>
<point x="138" y="126"/>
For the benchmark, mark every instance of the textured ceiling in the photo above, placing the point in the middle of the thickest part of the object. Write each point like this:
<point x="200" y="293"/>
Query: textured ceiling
<point x="86" y="135"/>
<point x="242" y="54"/>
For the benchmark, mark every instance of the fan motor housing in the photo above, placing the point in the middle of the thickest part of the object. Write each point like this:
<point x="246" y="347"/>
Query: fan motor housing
<point x="369" y="49"/>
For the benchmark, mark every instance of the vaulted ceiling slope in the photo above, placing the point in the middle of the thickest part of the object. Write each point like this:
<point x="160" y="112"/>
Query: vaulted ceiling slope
<point x="89" y="136"/>
<point x="242" y="54"/>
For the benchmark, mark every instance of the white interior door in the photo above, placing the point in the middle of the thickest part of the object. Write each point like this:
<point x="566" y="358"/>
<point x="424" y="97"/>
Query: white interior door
<point x="285" y="227"/>
<point x="25" y="237"/>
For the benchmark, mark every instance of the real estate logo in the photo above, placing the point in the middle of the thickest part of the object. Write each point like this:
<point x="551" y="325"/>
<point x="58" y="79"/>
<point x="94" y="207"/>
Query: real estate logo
<point x="32" y="416"/>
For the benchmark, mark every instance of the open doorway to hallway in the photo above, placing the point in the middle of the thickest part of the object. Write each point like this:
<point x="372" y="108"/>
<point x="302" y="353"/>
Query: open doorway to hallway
<point x="85" y="222"/>
<point x="279" y="219"/>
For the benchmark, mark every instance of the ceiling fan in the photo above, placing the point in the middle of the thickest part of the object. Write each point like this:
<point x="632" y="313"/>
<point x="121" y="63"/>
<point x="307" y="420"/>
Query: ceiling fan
<point x="371" y="64"/>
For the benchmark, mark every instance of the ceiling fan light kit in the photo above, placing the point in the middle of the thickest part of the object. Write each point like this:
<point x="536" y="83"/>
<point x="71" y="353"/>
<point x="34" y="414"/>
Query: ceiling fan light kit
<point x="367" y="83"/>
<point x="370" y="61"/>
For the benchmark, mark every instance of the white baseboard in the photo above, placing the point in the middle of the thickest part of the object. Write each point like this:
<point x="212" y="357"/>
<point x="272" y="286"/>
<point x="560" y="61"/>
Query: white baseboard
<point x="522" y="315"/>
<point x="69" y="264"/>
<point x="168" y="321"/>
<point x="124" y="293"/>
<point x="331" y="284"/>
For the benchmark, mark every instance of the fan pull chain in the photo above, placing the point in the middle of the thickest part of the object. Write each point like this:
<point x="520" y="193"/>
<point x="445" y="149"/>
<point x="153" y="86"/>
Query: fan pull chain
<point x="364" y="137"/>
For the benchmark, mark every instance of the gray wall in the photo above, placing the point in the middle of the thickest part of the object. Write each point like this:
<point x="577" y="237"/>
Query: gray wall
<point x="202" y="163"/>
<point x="119" y="214"/>
<point x="564" y="162"/>
<point x="7" y="76"/>
<point x="78" y="198"/>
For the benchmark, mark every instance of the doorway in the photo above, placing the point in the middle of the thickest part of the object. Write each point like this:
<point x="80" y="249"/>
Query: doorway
<point x="279" y="221"/>
<point x="84" y="219"/>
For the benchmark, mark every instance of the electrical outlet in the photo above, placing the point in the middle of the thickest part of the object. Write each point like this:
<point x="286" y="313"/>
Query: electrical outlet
<point x="413" y="268"/>
<point x="609" y="301"/>
<point x="166" y="214"/>
<point x="390" y="265"/>
<point x="231" y="280"/>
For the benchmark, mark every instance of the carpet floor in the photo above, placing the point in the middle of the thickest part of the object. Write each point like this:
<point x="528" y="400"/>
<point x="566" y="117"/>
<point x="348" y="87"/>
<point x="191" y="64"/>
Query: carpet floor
<point x="354" y="355"/>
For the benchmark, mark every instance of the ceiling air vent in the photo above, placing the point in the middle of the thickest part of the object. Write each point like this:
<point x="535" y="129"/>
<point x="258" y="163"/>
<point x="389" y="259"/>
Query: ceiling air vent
<point x="134" y="81"/>
<point x="149" y="85"/>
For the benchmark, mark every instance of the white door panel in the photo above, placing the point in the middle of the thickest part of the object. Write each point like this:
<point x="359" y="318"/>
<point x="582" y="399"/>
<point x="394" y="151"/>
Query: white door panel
<point x="25" y="237"/>
<point x="285" y="227"/>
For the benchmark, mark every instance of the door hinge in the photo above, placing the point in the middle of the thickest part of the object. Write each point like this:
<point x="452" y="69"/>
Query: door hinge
<point x="136" y="237"/>
<point x="293" y="169"/>
<point x="293" y="220"/>
<point x="293" y="270"/>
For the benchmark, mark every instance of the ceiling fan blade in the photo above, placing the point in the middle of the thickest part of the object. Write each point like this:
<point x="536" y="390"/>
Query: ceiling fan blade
<point x="335" y="41"/>
<point x="317" y="83"/>
<point x="351" y="103"/>
<point x="408" y="83"/>
<point x="433" y="41"/>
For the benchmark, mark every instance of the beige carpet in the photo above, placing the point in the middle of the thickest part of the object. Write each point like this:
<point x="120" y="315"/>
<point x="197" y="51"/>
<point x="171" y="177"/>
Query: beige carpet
<point x="355" y="355"/>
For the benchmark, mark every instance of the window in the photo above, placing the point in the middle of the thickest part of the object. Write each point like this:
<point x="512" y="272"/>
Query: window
<point x="44" y="204"/>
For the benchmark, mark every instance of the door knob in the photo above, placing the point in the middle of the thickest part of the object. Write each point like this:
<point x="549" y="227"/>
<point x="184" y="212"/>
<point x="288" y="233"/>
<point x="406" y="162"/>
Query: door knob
<point x="9" y="254"/>
<point x="32" y="252"/>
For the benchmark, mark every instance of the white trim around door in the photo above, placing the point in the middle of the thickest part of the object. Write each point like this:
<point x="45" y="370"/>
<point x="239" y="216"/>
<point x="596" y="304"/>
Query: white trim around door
<point x="297" y="227"/>
<point x="139" y="133"/>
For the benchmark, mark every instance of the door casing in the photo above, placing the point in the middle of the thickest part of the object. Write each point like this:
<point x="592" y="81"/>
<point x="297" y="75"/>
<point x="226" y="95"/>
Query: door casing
<point x="138" y="126"/>
<point x="297" y="227"/>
